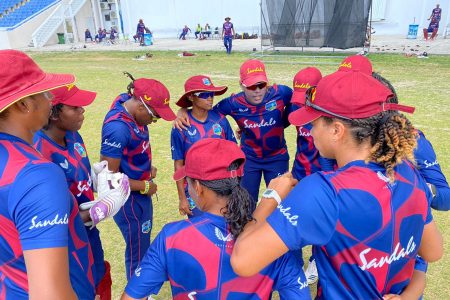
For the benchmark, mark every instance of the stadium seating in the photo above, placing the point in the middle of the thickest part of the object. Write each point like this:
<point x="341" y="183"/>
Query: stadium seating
<point x="13" y="12"/>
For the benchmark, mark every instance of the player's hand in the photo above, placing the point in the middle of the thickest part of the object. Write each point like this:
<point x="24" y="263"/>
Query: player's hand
<point x="182" y="120"/>
<point x="283" y="184"/>
<point x="238" y="134"/>
<point x="153" y="188"/>
<point x="153" y="172"/>
<point x="392" y="297"/>
<point x="184" y="207"/>
<point x="114" y="190"/>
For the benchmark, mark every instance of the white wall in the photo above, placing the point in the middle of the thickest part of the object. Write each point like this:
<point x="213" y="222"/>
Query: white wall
<point x="166" y="18"/>
<point x="401" y="13"/>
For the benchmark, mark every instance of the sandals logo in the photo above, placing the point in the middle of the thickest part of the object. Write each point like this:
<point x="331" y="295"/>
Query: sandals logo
<point x="346" y="65"/>
<point x="166" y="101"/>
<point x="69" y="87"/>
<point x="301" y="85"/>
<point x="255" y="70"/>
<point x="147" y="98"/>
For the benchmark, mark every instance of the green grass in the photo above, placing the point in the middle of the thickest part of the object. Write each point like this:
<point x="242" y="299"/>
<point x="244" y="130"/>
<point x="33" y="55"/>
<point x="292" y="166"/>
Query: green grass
<point x="422" y="83"/>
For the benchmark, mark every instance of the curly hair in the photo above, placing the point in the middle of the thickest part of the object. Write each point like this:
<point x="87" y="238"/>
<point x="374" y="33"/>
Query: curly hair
<point x="238" y="211"/>
<point x="391" y="135"/>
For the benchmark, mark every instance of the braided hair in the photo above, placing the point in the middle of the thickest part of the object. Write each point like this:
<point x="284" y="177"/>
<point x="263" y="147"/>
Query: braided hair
<point x="130" y="86"/>
<point x="238" y="211"/>
<point x="54" y="114"/>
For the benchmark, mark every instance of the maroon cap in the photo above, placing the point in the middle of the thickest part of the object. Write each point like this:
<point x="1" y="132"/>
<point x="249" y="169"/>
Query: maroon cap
<point x="155" y="95"/>
<point x="356" y="63"/>
<point x="21" y="77"/>
<point x="253" y="71"/>
<point x="352" y="95"/>
<point x="303" y="80"/>
<point x="209" y="159"/>
<point x="199" y="83"/>
<point x="73" y="96"/>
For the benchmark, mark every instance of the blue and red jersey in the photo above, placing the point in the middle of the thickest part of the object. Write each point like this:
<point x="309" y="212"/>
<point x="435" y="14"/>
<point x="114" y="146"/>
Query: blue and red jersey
<point x="37" y="211"/>
<point x="430" y="169"/>
<point x="124" y="139"/>
<point x="74" y="161"/>
<point x="365" y="231"/>
<point x="140" y="28"/>
<point x="227" y="26"/>
<point x="307" y="158"/>
<point x="262" y="125"/>
<point x="215" y="126"/>
<point x="436" y="15"/>
<point x="194" y="255"/>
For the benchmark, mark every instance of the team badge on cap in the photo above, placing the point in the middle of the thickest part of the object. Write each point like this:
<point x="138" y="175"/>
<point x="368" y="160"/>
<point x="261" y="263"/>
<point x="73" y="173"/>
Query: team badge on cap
<point x="206" y="81"/>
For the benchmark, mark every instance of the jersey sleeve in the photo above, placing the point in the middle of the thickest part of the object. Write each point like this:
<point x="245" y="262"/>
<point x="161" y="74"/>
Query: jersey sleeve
<point x="229" y="133"/>
<point x="40" y="206"/>
<point x="177" y="145"/>
<point x="223" y="107"/>
<point x="430" y="169"/>
<point x="290" y="281"/>
<point x="286" y="93"/>
<point x="115" y="137"/>
<point x="420" y="264"/>
<point x="308" y="215"/>
<point x="152" y="271"/>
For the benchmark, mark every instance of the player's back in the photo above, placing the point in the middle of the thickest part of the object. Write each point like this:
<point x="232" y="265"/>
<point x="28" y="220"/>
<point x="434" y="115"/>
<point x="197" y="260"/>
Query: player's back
<point x="378" y="231"/>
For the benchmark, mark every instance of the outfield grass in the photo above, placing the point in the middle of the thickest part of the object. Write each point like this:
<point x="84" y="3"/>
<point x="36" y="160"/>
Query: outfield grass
<point x="422" y="83"/>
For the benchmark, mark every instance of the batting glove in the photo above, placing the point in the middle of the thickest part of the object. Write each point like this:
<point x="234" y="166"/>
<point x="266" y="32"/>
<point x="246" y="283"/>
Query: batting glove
<point x="96" y="169"/>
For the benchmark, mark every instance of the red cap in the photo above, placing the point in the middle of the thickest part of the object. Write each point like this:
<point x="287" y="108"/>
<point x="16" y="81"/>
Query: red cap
<point x="155" y="95"/>
<point x="353" y="95"/>
<point x="252" y="72"/>
<point x="73" y="96"/>
<point x="209" y="159"/>
<point x="199" y="83"/>
<point x="21" y="77"/>
<point x="303" y="80"/>
<point x="356" y="63"/>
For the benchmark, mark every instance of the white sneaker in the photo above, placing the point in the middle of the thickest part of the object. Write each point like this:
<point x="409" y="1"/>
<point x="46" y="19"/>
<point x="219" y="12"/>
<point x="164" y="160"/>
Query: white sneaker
<point x="311" y="272"/>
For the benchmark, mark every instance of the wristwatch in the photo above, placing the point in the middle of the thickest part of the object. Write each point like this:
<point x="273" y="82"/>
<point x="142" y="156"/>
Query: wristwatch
<point x="269" y="193"/>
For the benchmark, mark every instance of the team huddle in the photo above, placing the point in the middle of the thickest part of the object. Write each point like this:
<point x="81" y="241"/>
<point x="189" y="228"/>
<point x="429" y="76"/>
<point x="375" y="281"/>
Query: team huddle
<point x="356" y="152"/>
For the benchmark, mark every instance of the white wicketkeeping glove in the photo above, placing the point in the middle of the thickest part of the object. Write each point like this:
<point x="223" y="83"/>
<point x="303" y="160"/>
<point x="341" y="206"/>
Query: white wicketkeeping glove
<point x="96" y="169"/>
<point x="113" y="192"/>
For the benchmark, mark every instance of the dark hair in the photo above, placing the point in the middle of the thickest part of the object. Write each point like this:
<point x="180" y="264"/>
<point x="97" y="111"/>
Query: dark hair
<point x="54" y="113"/>
<point x="388" y="84"/>
<point x="4" y="114"/>
<point x="130" y="87"/>
<point x="391" y="135"/>
<point x="238" y="211"/>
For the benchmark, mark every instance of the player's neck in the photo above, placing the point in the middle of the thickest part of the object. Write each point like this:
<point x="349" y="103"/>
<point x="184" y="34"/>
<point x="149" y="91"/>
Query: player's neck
<point x="57" y="135"/>
<point x="348" y="154"/>
<point x="199" y="113"/>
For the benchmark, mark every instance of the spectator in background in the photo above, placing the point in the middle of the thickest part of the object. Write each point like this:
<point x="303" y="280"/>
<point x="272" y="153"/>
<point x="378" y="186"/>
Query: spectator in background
<point x="207" y="31"/>
<point x="87" y="35"/>
<point x="227" y="34"/>
<point x="433" y="27"/>
<point x="184" y="32"/>
<point x="140" y="30"/>
<point x="198" y="31"/>
<point x="101" y="34"/>
<point x="112" y="35"/>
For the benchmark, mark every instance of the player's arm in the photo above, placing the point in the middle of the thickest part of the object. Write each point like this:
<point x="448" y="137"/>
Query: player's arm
<point x="48" y="273"/>
<point x="39" y="194"/>
<point x="267" y="238"/>
<point x="232" y="29"/>
<point x="184" y="203"/>
<point x="431" y="247"/>
<point x="115" y="137"/>
<point x="258" y="245"/>
<point x="413" y="291"/>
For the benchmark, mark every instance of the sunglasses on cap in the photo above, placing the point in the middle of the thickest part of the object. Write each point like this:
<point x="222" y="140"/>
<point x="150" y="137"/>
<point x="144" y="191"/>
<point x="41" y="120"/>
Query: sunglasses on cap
<point x="204" y="95"/>
<point x="149" y="111"/>
<point x="309" y="98"/>
<point x="259" y="85"/>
